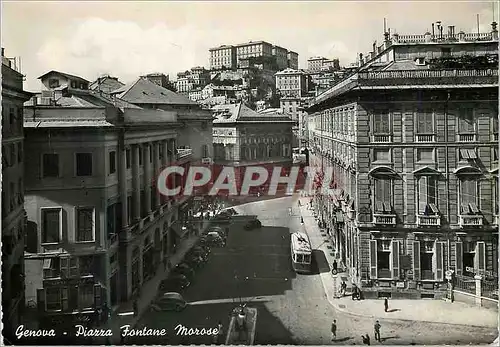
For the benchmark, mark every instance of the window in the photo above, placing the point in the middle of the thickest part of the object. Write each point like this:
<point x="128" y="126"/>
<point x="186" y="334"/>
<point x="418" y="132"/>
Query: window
<point x="84" y="224"/>
<point x="466" y="120"/>
<point x="383" y="195"/>
<point x="20" y="152"/>
<point x="204" y="150"/>
<point x="494" y="187"/>
<point x="427" y="195"/>
<point x="426" y="257"/>
<point x="127" y="157"/>
<point x="86" y="296"/>
<point x="446" y="52"/>
<point x="494" y="154"/>
<point x="74" y="84"/>
<point x="112" y="162"/>
<point x="382" y="155"/>
<point x="425" y="155"/>
<point x="12" y="115"/>
<point x="381" y="123"/>
<point x="466" y="154"/>
<point x="84" y="164"/>
<point x="51" y="268"/>
<point x="53" y="299"/>
<point x="51" y="225"/>
<point x="50" y="165"/>
<point x="383" y="258"/>
<point x="12" y="154"/>
<point x="495" y="125"/>
<point x="53" y="83"/>
<point x="425" y="122"/>
<point x="468" y="196"/>
<point x="20" y="190"/>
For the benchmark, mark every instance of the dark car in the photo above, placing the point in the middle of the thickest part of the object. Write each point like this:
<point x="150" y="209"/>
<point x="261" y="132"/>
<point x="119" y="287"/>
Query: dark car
<point x="217" y="230"/>
<point x="223" y="217"/>
<point x="174" y="283"/>
<point x="202" y="244"/>
<point x="198" y="253"/>
<point x="253" y="224"/>
<point x="184" y="269"/>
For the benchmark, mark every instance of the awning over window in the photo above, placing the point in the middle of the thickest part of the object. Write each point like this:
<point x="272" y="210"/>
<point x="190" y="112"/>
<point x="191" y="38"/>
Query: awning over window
<point x="383" y="172"/>
<point x="427" y="171"/>
<point x="467" y="170"/>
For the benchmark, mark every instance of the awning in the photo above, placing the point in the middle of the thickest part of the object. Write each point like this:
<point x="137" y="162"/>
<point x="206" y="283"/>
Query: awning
<point x="339" y="217"/>
<point x="467" y="170"/>
<point x="383" y="172"/>
<point x="427" y="171"/>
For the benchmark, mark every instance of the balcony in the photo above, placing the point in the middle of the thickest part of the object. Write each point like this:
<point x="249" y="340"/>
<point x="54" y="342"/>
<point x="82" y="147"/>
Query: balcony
<point x="382" y="138"/>
<point x="385" y="219"/>
<point x="425" y="138"/>
<point x="470" y="220"/>
<point x="433" y="221"/>
<point x="466" y="137"/>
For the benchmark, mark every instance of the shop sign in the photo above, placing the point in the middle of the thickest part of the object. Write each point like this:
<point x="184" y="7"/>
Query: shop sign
<point x="68" y="282"/>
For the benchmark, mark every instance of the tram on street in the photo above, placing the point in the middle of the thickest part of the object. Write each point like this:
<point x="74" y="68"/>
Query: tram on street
<point x="301" y="252"/>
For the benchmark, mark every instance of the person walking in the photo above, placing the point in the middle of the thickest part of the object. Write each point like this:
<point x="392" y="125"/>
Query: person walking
<point x="376" y="327"/>
<point x="386" y="304"/>
<point x="366" y="339"/>
<point x="343" y="288"/>
<point x="334" y="330"/>
<point x="220" y="333"/>
<point x="335" y="265"/>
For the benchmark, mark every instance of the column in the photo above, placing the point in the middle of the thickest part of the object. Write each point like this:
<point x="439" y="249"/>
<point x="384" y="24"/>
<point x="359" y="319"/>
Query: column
<point x="156" y="172"/>
<point x="147" y="176"/>
<point x="164" y="162"/>
<point x="173" y="149"/>
<point x="136" y="185"/>
<point x="122" y="176"/>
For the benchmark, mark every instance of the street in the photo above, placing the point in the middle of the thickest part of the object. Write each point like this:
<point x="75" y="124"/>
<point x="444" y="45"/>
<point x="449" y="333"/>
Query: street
<point x="292" y="309"/>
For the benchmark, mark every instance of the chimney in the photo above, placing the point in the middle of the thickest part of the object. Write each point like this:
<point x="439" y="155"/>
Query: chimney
<point x="433" y="33"/>
<point x="494" y="32"/>
<point x="461" y="36"/>
<point x="451" y="32"/>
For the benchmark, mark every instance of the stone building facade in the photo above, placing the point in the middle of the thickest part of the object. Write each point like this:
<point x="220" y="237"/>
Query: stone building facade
<point x="414" y="151"/>
<point x="13" y="213"/>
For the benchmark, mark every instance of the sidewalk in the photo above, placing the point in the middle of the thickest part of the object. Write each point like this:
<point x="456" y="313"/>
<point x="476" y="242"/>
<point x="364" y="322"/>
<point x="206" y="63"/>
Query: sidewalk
<point x="149" y="290"/>
<point x="431" y="311"/>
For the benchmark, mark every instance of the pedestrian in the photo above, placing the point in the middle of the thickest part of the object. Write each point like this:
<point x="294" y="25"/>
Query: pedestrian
<point x="220" y="333"/>
<point x="334" y="330"/>
<point x="366" y="339"/>
<point x="386" y="304"/>
<point x="343" y="288"/>
<point x="376" y="327"/>
<point x="354" y="293"/>
<point x="335" y="265"/>
<point x="299" y="202"/>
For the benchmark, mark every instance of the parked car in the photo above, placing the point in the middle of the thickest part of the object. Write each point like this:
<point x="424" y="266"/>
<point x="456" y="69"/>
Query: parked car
<point x="202" y="244"/>
<point x="169" y="301"/>
<point x="199" y="253"/>
<point x="217" y="230"/>
<point x="194" y="261"/>
<point x="200" y="248"/>
<point x="175" y="282"/>
<point x="223" y="217"/>
<point x="253" y="224"/>
<point x="184" y="269"/>
<point x="232" y="211"/>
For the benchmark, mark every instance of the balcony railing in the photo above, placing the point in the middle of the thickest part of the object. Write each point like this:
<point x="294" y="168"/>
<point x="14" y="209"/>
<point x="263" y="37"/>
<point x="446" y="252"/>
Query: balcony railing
<point x="410" y="74"/>
<point x="387" y="219"/>
<point x="425" y="138"/>
<point x="466" y="220"/>
<point x="428" y="220"/>
<point x="466" y="137"/>
<point x="381" y="138"/>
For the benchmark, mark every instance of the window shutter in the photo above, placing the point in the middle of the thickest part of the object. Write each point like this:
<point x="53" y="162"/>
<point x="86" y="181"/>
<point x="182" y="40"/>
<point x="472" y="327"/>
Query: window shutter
<point x="373" y="259"/>
<point x="395" y="259"/>
<point x="422" y="194"/>
<point x="438" y="254"/>
<point x="481" y="257"/>
<point x="459" y="258"/>
<point x="64" y="298"/>
<point x="97" y="295"/>
<point x="416" y="260"/>
<point x="40" y="299"/>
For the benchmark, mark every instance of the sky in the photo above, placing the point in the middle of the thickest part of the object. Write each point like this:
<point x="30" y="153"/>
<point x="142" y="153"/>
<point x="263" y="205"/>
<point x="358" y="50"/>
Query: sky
<point x="127" y="39"/>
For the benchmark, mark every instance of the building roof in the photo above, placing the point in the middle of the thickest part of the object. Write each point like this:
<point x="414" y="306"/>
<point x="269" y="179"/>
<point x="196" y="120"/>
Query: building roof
<point x="111" y="82"/>
<point x="143" y="91"/>
<point x="220" y="47"/>
<point x="239" y="113"/>
<point x="67" y="75"/>
<point x="68" y="124"/>
<point x="289" y="71"/>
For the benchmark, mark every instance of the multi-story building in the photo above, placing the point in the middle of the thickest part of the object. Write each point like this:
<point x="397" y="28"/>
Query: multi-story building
<point x="413" y="141"/>
<point x="13" y="214"/>
<point x="197" y="77"/>
<point x="97" y="225"/>
<point x="293" y="60"/>
<point x="223" y="57"/>
<point x="291" y="83"/>
<point x="254" y="53"/>
<point x="315" y="64"/>
<point x="243" y="137"/>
